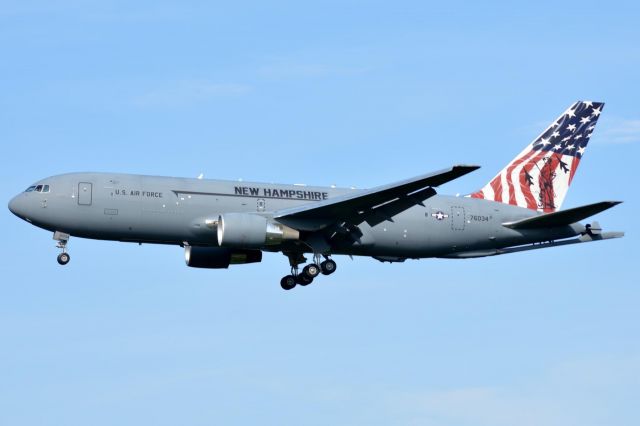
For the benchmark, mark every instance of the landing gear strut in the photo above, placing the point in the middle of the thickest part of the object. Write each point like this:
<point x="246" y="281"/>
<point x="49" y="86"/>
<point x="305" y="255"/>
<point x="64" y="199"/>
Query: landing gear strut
<point x="62" y="239"/>
<point x="308" y="273"/>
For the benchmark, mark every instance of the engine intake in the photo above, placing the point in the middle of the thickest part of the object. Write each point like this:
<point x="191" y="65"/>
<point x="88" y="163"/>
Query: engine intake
<point x="248" y="230"/>
<point x="219" y="257"/>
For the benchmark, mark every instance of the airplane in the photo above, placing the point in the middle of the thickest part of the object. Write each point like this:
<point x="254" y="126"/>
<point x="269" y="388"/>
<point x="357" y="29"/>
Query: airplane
<point x="221" y="223"/>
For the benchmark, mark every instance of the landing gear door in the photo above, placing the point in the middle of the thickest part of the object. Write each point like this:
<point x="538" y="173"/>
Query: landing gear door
<point x="85" y="193"/>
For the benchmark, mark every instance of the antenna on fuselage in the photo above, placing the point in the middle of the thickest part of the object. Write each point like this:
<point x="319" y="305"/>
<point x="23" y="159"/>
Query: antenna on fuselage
<point x="200" y="176"/>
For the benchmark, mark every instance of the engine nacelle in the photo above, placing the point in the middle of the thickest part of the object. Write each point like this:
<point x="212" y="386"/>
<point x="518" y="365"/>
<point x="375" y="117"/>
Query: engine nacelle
<point x="251" y="230"/>
<point x="219" y="257"/>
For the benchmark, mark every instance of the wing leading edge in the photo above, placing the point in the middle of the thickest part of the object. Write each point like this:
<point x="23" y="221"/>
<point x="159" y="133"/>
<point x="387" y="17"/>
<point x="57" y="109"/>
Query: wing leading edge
<point x="373" y="205"/>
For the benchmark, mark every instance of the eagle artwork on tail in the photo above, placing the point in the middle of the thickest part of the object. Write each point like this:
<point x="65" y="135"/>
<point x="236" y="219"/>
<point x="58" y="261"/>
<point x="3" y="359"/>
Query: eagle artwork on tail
<point x="540" y="176"/>
<point x="545" y="182"/>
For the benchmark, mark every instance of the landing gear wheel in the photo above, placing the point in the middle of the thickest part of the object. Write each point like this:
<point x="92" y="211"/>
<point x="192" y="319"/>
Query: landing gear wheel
<point x="64" y="258"/>
<point x="328" y="267"/>
<point x="288" y="282"/>
<point x="312" y="270"/>
<point x="304" y="279"/>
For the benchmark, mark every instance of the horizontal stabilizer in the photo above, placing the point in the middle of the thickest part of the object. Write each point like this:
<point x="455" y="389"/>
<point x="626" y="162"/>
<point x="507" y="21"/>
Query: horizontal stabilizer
<point x="562" y="217"/>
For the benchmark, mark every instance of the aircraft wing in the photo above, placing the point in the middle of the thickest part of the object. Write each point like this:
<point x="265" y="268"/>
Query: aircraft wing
<point x="371" y="205"/>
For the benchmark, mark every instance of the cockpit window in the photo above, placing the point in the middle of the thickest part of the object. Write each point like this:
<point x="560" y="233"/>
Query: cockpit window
<point x="38" y="188"/>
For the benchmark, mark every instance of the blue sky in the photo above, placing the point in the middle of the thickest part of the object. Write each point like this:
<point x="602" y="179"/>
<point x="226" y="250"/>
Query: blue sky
<point x="347" y="93"/>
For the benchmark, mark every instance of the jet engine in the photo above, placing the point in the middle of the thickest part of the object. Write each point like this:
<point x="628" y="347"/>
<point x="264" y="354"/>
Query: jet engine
<point x="246" y="230"/>
<point x="219" y="257"/>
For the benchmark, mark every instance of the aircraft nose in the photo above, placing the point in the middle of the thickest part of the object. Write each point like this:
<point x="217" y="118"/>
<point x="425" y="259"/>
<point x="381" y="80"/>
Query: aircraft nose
<point x="16" y="205"/>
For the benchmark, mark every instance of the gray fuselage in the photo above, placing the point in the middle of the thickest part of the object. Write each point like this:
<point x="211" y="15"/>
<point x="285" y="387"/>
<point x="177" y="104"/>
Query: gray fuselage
<point x="167" y="210"/>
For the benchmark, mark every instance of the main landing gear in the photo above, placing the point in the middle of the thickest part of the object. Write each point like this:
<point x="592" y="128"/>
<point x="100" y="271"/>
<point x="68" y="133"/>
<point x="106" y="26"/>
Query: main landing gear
<point x="62" y="239"/>
<point x="308" y="273"/>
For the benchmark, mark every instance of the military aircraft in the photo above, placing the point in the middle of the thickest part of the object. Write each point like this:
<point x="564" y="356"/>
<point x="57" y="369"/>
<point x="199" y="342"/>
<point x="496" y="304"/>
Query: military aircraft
<point x="222" y="223"/>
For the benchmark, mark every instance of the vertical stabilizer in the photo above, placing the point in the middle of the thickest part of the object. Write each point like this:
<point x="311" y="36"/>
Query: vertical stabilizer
<point x="540" y="176"/>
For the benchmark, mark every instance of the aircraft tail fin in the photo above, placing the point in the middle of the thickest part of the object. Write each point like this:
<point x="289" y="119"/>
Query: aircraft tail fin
<point x="540" y="176"/>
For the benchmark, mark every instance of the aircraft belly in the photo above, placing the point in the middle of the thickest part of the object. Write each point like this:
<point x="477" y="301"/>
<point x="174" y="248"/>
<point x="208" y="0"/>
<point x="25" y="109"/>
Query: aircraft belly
<point x="402" y="237"/>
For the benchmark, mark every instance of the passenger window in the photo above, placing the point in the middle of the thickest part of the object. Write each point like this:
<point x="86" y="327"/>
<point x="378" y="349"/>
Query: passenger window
<point x="39" y="188"/>
<point x="30" y="189"/>
<point x="46" y="188"/>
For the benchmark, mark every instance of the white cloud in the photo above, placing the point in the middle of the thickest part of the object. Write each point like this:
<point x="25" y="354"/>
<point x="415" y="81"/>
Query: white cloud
<point x="101" y="11"/>
<point x="609" y="130"/>
<point x="618" y="131"/>
<point x="187" y="92"/>
<point x="588" y="391"/>
<point x="477" y="406"/>
<point x="582" y="392"/>
<point x="316" y="63"/>
<point x="307" y="70"/>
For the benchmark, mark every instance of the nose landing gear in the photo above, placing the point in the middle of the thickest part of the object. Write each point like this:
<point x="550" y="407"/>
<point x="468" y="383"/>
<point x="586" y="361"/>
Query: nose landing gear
<point x="62" y="239"/>
<point x="64" y="258"/>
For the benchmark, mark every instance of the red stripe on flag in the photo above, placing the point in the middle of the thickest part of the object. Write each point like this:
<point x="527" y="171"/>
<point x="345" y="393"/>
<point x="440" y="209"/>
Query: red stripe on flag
<point x="574" y="167"/>
<point x="524" y="184"/>
<point x="513" y="165"/>
<point x="496" y="185"/>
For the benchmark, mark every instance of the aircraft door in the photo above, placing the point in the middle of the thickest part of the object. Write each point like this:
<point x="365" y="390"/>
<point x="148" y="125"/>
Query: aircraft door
<point x="457" y="218"/>
<point x="85" y="193"/>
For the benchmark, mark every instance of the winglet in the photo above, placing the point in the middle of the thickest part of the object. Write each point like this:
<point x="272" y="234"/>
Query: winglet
<point x="455" y="172"/>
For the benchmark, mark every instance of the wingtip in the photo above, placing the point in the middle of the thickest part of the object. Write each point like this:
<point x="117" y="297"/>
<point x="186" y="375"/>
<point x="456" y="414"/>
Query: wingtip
<point x="466" y="166"/>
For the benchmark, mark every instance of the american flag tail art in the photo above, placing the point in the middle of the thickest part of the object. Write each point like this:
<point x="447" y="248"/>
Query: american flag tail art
<point x="539" y="177"/>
